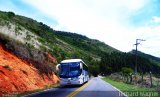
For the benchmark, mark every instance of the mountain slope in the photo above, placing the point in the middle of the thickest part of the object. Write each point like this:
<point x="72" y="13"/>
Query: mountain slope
<point x="58" y="43"/>
<point x="153" y="59"/>
<point x="36" y="49"/>
<point x="17" y="75"/>
<point x="40" y="48"/>
<point x="23" y="65"/>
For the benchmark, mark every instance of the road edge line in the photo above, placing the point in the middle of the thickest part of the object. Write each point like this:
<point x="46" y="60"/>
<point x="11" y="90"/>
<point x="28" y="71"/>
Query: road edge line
<point x="118" y="90"/>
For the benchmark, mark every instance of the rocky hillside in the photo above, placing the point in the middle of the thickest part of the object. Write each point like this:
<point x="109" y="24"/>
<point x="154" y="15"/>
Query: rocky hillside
<point x="18" y="75"/>
<point x="61" y="44"/>
<point x="30" y="50"/>
<point x="23" y="65"/>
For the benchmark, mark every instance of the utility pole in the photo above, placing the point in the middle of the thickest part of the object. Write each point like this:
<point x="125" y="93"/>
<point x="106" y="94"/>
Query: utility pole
<point x="137" y="43"/>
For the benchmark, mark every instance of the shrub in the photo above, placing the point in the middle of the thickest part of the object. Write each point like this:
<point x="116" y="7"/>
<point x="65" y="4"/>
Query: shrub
<point x="127" y="70"/>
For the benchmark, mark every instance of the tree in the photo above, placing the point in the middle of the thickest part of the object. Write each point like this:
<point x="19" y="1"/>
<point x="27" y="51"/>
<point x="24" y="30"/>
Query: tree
<point x="94" y="69"/>
<point x="11" y="14"/>
<point x="127" y="72"/>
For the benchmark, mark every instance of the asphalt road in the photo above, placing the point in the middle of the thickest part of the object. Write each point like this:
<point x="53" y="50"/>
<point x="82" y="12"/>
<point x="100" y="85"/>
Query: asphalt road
<point x="96" y="87"/>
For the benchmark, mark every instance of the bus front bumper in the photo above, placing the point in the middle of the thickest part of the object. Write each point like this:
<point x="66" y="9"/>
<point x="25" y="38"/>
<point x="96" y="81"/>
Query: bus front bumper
<point x="70" y="82"/>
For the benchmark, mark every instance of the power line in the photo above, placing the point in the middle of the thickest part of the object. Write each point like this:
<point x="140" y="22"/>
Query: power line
<point x="137" y="43"/>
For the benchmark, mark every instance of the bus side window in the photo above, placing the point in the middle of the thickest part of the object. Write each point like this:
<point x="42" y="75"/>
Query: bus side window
<point x="85" y="67"/>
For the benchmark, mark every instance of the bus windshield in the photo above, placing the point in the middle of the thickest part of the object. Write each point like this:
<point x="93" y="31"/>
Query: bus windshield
<point x="70" y="70"/>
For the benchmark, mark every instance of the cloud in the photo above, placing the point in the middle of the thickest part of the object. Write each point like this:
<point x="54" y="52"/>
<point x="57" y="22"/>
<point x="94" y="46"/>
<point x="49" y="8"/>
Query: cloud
<point x="74" y="14"/>
<point x="21" y="8"/>
<point x="87" y="15"/>
<point x="152" y="37"/>
<point x="105" y="20"/>
<point x="156" y="19"/>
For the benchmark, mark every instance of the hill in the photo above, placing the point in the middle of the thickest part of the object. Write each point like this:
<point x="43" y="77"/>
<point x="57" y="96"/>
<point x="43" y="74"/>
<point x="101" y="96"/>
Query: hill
<point x="147" y="56"/>
<point x="38" y="35"/>
<point x="17" y="75"/>
<point x="117" y="61"/>
<point x="42" y="48"/>
<point x="39" y="48"/>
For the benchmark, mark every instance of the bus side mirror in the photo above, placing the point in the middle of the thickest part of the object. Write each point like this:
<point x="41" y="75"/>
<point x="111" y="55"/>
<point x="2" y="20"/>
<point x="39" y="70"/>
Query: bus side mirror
<point x="58" y="67"/>
<point x="81" y="66"/>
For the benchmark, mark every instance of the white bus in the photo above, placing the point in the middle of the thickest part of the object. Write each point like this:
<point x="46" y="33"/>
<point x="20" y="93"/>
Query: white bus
<point x="73" y="72"/>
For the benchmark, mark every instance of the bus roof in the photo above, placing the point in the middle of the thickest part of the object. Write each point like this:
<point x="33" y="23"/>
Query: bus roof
<point x="72" y="60"/>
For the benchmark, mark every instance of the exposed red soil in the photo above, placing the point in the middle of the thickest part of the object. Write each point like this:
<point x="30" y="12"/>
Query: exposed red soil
<point x="17" y="75"/>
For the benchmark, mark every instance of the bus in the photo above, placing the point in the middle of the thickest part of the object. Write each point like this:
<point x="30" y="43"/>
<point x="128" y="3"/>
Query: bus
<point x="72" y="72"/>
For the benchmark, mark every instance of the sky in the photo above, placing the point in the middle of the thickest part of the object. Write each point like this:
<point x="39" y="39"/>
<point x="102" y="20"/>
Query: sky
<point x="118" y="23"/>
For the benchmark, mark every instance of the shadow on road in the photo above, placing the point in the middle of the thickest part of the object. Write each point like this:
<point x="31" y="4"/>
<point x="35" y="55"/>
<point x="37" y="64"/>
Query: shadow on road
<point x="72" y="86"/>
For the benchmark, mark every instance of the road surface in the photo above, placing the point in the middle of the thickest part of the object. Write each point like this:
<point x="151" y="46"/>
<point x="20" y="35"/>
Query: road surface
<point x="96" y="87"/>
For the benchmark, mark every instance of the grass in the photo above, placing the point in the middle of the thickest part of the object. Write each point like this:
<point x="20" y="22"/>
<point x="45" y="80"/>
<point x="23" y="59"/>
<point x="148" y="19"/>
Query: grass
<point x="132" y="90"/>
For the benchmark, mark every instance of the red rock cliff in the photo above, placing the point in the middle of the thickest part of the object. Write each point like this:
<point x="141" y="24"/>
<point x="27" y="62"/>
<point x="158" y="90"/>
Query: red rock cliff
<point x="17" y="75"/>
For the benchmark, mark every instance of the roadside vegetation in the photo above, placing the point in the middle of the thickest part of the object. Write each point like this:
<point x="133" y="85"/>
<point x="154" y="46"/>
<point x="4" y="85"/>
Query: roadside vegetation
<point x="125" y="62"/>
<point x="62" y="45"/>
<point x="124" y="86"/>
<point x="101" y="58"/>
<point x="136" y="88"/>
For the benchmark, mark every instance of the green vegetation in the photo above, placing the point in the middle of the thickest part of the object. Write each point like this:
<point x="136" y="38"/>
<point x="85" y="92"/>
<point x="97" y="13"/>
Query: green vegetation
<point x="62" y="45"/>
<point x="126" y="70"/>
<point x="131" y="90"/>
<point x="116" y="61"/>
<point x="125" y="87"/>
<point x="101" y="58"/>
<point x="71" y="44"/>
